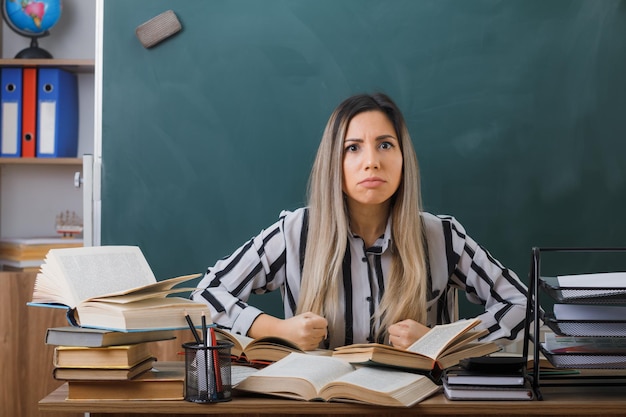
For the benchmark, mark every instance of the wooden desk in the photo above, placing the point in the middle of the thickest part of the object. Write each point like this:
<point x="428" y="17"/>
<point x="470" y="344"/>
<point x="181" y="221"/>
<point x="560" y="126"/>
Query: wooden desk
<point x="585" y="401"/>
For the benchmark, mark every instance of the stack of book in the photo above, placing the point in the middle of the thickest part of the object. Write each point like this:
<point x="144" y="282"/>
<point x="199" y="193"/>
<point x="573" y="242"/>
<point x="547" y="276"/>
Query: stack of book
<point x="460" y="383"/>
<point x="104" y="364"/>
<point x="27" y="254"/>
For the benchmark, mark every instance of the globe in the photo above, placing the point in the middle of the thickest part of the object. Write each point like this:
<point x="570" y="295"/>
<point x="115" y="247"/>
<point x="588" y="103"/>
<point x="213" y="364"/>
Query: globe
<point x="33" y="19"/>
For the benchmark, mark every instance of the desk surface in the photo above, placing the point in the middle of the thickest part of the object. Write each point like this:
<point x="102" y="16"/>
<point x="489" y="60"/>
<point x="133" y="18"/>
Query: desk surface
<point x="587" y="401"/>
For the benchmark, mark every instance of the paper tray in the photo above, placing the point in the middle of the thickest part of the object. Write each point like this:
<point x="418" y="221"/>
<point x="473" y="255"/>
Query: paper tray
<point x="591" y="295"/>
<point x="613" y="328"/>
<point x="586" y="360"/>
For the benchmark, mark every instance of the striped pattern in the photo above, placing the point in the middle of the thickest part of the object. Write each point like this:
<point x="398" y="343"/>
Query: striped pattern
<point x="273" y="261"/>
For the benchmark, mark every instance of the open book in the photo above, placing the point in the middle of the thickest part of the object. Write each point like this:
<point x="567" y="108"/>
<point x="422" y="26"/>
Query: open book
<point x="443" y="346"/>
<point x="312" y="377"/>
<point x="112" y="287"/>
<point x="264" y="349"/>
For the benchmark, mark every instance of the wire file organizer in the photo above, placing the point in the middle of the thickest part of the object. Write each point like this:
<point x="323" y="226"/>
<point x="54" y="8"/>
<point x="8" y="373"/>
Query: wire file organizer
<point x="594" y="294"/>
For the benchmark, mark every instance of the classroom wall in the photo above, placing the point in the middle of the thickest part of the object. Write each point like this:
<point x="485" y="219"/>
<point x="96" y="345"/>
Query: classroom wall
<point x="516" y="109"/>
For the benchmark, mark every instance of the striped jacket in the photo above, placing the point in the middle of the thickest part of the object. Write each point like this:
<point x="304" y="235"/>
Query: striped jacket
<point x="273" y="259"/>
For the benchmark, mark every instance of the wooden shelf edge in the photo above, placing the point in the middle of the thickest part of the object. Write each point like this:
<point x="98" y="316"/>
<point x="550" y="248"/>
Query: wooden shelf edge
<point x="75" y="65"/>
<point x="41" y="161"/>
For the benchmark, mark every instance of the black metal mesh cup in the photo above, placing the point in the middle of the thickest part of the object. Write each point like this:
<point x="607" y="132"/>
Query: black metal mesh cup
<point x="207" y="372"/>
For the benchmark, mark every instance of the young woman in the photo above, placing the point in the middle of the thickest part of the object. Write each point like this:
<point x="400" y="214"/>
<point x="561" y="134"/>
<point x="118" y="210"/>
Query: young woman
<point x="362" y="262"/>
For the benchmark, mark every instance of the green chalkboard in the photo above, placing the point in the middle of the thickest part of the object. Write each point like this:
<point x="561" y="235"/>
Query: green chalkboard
<point x="517" y="109"/>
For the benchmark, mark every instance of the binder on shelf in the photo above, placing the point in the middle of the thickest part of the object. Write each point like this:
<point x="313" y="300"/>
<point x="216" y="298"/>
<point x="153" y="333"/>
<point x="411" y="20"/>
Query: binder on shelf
<point x="29" y="112"/>
<point x="57" y="113"/>
<point x="11" y="109"/>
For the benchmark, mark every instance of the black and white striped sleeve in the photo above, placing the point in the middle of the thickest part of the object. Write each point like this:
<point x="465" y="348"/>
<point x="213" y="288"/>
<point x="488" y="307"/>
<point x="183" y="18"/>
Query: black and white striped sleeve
<point x="485" y="281"/>
<point x="256" y="267"/>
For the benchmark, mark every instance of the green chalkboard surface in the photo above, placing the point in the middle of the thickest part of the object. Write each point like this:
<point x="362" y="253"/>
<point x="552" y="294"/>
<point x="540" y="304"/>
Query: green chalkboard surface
<point x="517" y="109"/>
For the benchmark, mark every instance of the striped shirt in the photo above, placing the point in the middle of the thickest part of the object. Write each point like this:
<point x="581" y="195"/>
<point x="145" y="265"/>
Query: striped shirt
<point x="273" y="261"/>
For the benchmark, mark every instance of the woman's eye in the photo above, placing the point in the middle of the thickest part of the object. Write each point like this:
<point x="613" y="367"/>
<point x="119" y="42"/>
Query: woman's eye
<point x="351" y="148"/>
<point x="386" y="145"/>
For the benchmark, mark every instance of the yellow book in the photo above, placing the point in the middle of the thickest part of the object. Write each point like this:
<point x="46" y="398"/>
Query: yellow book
<point x="103" y="374"/>
<point x="29" y="249"/>
<point x="124" y="356"/>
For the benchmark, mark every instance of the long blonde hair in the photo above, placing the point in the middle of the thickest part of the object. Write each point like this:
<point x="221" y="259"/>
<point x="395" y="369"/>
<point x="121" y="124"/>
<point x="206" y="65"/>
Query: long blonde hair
<point x="405" y="293"/>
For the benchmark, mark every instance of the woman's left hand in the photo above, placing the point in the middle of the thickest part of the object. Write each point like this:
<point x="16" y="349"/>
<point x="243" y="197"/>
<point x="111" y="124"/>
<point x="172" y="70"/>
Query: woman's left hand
<point x="404" y="333"/>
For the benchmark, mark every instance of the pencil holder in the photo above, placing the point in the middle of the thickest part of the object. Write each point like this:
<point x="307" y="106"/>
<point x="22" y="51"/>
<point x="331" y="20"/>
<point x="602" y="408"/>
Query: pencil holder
<point x="207" y="372"/>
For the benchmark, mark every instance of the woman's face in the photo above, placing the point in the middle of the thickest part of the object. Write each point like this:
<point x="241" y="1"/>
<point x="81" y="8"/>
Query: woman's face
<point x="372" y="159"/>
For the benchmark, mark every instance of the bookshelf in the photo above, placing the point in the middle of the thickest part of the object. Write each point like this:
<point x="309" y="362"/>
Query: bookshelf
<point x="34" y="190"/>
<point x="79" y="66"/>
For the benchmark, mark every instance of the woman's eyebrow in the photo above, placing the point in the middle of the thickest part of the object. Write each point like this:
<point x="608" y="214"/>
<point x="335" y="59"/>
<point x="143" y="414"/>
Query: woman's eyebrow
<point x="378" y="138"/>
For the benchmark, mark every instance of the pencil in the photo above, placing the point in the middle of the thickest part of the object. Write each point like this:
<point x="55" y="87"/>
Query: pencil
<point x="204" y="331"/>
<point x="192" y="328"/>
<point x="216" y="364"/>
<point x="206" y="345"/>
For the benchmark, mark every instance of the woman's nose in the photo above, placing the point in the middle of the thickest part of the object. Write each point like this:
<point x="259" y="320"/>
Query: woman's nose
<point x="371" y="159"/>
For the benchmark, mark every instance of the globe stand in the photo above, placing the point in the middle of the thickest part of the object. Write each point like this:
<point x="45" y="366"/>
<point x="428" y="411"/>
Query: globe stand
<point x="33" y="51"/>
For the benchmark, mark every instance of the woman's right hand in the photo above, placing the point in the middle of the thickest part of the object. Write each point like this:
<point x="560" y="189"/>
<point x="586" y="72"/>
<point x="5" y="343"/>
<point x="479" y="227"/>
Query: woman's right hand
<point x="307" y="330"/>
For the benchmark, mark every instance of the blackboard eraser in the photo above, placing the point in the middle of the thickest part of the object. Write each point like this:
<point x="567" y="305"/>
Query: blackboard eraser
<point x="158" y="29"/>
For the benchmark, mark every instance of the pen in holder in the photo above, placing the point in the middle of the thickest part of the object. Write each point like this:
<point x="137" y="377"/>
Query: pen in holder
<point x="207" y="372"/>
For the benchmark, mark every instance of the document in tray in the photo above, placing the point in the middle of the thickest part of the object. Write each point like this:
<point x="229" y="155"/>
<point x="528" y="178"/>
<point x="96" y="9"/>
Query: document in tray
<point x="592" y="285"/>
<point x="569" y="344"/>
<point x="585" y="360"/>
<point x="590" y="320"/>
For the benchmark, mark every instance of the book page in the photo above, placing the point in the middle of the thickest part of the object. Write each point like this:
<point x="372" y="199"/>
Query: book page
<point x="380" y="386"/>
<point x="240" y="341"/>
<point x="99" y="270"/>
<point x="318" y="370"/>
<point x="273" y="342"/>
<point x="156" y="289"/>
<point x="439" y="337"/>
<point x="464" y="339"/>
<point x="378" y="379"/>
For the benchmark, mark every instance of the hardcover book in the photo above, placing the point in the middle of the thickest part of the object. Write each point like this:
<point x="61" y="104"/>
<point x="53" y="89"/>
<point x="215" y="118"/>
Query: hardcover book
<point x="103" y="374"/>
<point x="165" y="381"/>
<point x="112" y="287"/>
<point x="442" y="347"/>
<point x="489" y="393"/>
<point x="459" y="376"/>
<point x="83" y="336"/>
<point x="124" y="356"/>
<point x="264" y="349"/>
<point x="322" y="378"/>
<point x="29" y="249"/>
